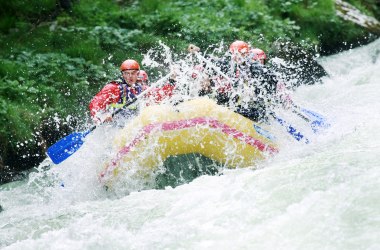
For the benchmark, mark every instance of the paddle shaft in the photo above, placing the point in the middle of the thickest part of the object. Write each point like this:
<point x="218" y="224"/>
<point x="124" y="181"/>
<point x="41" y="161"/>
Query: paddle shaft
<point x="290" y="129"/>
<point x="300" y="115"/>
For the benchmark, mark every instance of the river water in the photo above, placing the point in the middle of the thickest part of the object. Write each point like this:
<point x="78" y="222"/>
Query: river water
<point x="323" y="195"/>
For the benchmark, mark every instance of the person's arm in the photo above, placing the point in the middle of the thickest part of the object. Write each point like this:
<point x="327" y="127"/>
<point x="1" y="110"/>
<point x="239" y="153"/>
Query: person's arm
<point x="109" y="94"/>
<point x="283" y="95"/>
<point x="276" y="89"/>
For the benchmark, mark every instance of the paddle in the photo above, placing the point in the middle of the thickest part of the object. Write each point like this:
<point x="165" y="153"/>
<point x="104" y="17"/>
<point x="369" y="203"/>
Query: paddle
<point x="68" y="145"/>
<point x="316" y="120"/>
<point x="289" y="128"/>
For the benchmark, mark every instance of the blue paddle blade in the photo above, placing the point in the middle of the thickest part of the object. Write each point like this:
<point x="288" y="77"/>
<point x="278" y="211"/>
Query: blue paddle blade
<point x="318" y="120"/>
<point x="312" y="114"/>
<point x="264" y="132"/>
<point x="291" y="130"/>
<point x="65" y="147"/>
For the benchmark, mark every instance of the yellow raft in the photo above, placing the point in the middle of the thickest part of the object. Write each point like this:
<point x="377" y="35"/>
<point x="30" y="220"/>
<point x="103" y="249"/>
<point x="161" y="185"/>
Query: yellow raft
<point x="197" y="126"/>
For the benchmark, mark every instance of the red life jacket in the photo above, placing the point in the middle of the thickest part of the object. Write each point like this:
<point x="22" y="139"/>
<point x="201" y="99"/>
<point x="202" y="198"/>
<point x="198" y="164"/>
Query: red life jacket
<point x="112" y="93"/>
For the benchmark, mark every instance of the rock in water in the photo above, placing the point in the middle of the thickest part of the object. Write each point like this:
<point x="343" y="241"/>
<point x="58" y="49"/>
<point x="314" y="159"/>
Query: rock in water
<point x="296" y="65"/>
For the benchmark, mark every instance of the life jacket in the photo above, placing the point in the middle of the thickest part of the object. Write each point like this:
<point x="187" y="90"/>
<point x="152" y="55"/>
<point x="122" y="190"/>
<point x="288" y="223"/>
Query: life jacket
<point x="112" y="96"/>
<point x="127" y="93"/>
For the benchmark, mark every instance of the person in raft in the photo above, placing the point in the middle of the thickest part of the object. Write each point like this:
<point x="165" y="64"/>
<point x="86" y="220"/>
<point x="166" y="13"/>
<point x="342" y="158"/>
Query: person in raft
<point x="115" y="94"/>
<point x="143" y="79"/>
<point x="251" y="88"/>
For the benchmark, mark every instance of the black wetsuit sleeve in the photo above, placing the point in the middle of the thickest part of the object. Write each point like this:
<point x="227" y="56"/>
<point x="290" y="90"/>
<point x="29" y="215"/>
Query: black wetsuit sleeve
<point x="266" y="78"/>
<point x="223" y="65"/>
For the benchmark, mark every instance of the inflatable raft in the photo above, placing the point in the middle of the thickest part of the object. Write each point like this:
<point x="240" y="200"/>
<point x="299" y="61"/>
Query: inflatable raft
<point x="198" y="126"/>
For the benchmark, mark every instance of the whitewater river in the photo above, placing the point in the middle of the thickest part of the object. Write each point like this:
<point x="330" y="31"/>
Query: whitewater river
<point x="324" y="195"/>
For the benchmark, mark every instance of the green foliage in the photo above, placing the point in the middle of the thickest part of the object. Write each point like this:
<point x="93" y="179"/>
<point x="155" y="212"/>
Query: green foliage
<point x="94" y="13"/>
<point x="368" y="7"/>
<point x="317" y="22"/>
<point x="20" y="12"/>
<point x="7" y="23"/>
<point x="33" y="88"/>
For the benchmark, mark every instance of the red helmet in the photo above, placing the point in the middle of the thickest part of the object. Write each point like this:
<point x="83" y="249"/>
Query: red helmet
<point x="258" y="54"/>
<point x="239" y="46"/>
<point x="143" y="76"/>
<point x="129" y="64"/>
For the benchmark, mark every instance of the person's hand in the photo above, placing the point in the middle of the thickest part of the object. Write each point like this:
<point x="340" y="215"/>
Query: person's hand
<point x="107" y="119"/>
<point x="132" y="107"/>
<point x="286" y="101"/>
<point x="192" y="48"/>
<point x="283" y="95"/>
<point x="174" y="72"/>
<point x="103" y="117"/>
<point x="205" y="83"/>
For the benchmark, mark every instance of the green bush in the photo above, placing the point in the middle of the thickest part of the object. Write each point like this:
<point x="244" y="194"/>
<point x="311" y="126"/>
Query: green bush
<point x="18" y="13"/>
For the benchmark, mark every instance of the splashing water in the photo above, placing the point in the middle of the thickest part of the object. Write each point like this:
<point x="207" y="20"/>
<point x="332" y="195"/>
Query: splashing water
<point x="321" y="195"/>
